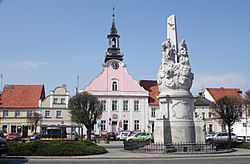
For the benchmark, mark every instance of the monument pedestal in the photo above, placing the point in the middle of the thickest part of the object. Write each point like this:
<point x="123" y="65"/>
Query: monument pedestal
<point x="175" y="121"/>
<point x="162" y="132"/>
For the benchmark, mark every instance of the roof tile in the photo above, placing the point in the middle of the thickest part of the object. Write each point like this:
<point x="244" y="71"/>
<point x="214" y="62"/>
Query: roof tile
<point x="21" y="96"/>
<point x="152" y="87"/>
<point x="218" y="93"/>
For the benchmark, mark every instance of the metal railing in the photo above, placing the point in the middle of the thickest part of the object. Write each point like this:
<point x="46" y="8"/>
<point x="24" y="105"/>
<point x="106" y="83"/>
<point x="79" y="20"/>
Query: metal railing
<point x="160" y="148"/>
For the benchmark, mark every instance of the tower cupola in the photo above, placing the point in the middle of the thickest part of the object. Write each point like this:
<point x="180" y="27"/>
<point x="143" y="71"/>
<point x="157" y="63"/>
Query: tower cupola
<point x="113" y="51"/>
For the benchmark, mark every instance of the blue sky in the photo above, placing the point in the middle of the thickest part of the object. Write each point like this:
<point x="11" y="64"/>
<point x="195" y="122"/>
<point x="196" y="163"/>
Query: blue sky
<point x="50" y="42"/>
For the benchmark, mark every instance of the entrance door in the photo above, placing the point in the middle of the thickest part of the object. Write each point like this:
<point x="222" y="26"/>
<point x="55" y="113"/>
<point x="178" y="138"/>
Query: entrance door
<point x="114" y="126"/>
<point x="25" y="131"/>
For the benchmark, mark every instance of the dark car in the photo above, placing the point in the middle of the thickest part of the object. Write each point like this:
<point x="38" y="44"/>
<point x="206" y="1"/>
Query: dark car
<point x="13" y="137"/>
<point x="111" y="136"/>
<point x="3" y="147"/>
<point x="36" y="137"/>
<point x="1" y="134"/>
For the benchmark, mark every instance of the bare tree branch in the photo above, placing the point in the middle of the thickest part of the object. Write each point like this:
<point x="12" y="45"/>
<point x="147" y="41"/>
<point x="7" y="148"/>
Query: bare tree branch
<point x="85" y="108"/>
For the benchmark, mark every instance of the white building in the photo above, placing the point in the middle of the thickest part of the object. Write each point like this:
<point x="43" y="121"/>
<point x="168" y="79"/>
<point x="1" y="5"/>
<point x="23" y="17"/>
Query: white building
<point x="55" y="109"/>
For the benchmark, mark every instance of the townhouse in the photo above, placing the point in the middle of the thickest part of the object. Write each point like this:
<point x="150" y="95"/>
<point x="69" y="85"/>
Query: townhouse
<point x="17" y="103"/>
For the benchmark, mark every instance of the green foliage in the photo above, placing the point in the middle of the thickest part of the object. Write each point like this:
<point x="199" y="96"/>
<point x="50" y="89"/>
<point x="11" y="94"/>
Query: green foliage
<point x="225" y="144"/>
<point x="55" y="148"/>
<point x="244" y="145"/>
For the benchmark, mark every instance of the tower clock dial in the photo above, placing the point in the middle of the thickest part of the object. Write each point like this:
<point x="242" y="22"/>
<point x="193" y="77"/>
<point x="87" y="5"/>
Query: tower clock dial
<point x="115" y="65"/>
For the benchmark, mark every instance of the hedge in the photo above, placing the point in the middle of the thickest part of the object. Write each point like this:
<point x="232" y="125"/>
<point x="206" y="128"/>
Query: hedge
<point x="245" y="145"/>
<point x="54" y="148"/>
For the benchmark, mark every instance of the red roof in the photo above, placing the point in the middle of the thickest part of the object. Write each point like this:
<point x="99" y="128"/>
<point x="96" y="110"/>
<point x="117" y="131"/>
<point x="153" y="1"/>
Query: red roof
<point x="152" y="87"/>
<point x="21" y="96"/>
<point x="218" y="93"/>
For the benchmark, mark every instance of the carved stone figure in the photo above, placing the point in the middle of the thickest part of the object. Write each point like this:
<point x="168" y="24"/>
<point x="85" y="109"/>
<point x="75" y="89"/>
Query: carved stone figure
<point x="174" y="74"/>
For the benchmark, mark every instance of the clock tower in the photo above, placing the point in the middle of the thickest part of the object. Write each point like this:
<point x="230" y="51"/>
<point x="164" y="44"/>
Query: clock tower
<point x="113" y="51"/>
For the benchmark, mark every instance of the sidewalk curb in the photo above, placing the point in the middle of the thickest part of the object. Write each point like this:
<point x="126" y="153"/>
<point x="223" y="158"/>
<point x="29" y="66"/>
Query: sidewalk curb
<point x="138" y="156"/>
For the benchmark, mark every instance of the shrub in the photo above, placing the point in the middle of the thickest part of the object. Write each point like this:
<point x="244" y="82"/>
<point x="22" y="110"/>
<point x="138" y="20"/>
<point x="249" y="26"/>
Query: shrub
<point x="54" y="148"/>
<point x="244" y="145"/>
<point x="224" y="144"/>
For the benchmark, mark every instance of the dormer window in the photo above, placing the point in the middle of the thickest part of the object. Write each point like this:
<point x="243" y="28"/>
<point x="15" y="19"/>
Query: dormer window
<point x="114" y="86"/>
<point x="55" y="101"/>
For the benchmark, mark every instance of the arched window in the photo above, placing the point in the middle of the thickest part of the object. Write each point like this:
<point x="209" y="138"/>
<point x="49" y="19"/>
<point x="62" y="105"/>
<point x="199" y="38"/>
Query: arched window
<point x="114" y="86"/>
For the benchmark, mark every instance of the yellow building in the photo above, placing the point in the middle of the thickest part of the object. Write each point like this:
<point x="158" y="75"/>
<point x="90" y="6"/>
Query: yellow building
<point x="17" y="104"/>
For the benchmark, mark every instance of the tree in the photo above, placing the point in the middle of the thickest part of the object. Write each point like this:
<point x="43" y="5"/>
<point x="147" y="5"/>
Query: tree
<point x="247" y="102"/>
<point x="85" y="108"/>
<point x="229" y="109"/>
<point x="35" y="118"/>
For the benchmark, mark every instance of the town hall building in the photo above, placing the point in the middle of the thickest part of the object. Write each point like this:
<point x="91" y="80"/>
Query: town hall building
<point x="124" y="101"/>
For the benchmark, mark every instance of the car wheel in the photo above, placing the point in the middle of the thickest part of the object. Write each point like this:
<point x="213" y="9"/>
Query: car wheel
<point x="130" y="140"/>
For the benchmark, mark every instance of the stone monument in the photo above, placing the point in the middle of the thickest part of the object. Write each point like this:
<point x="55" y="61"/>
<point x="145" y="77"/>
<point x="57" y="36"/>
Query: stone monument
<point x="175" y="118"/>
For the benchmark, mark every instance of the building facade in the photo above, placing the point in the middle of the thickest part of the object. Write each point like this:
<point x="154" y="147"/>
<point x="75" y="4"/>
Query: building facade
<point x="153" y="103"/>
<point x="124" y="101"/>
<point x="54" y="109"/>
<point x="17" y="104"/>
<point x="242" y="127"/>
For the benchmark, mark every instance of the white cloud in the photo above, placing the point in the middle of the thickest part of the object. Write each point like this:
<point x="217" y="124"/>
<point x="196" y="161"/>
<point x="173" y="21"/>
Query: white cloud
<point x="231" y="79"/>
<point x="32" y="64"/>
<point x="24" y="64"/>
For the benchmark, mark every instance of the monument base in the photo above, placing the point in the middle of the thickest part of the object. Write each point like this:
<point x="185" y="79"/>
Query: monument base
<point x="183" y="131"/>
<point x="162" y="132"/>
<point x="174" y="122"/>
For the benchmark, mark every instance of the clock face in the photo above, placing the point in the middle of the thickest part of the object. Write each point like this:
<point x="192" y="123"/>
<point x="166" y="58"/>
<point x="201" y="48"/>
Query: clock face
<point x="115" y="65"/>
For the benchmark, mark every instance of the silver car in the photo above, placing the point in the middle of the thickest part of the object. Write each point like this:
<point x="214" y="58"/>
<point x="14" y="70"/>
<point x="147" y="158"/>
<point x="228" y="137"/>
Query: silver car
<point x="224" y="136"/>
<point x="123" y="135"/>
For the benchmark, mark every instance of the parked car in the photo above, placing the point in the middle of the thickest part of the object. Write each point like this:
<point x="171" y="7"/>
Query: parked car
<point x="36" y="137"/>
<point x="141" y="136"/>
<point x="92" y="137"/>
<point x="3" y="147"/>
<point x="111" y="136"/>
<point x="1" y="134"/>
<point x="123" y="135"/>
<point x="209" y="136"/>
<point x="224" y="136"/>
<point x="13" y="137"/>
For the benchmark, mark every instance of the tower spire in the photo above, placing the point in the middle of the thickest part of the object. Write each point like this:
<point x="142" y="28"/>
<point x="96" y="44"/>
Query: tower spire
<point x="113" y="51"/>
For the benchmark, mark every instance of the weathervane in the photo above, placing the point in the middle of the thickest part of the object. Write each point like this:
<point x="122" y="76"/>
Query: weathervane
<point x="113" y="12"/>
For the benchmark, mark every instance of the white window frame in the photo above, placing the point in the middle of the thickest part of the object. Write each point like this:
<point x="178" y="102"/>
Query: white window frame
<point x="29" y="113"/>
<point x="103" y="125"/>
<point x="125" y="105"/>
<point x="103" y="104"/>
<point x="58" y="116"/>
<point x="5" y="113"/>
<point x="55" y="100"/>
<point x="125" y="122"/>
<point x="63" y="101"/>
<point x="136" y="124"/>
<point x="136" y="105"/>
<point x="17" y="113"/>
<point x="153" y="112"/>
<point x="114" y="105"/>
<point x="45" y="114"/>
<point x="114" y="85"/>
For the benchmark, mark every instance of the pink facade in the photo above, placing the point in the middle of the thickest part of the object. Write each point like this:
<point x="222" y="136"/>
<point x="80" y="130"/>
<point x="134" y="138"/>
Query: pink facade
<point x="124" y="81"/>
<point x="127" y="89"/>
